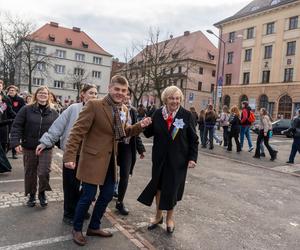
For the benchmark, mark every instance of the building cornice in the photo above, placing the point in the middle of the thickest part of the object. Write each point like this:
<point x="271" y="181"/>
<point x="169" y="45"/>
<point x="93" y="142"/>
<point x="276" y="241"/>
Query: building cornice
<point x="268" y="85"/>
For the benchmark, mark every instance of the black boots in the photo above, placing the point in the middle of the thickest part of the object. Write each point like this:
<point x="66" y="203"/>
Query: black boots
<point x="31" y="201"/>
<point x="121" y="208"/>
<point x="43" y="199"/>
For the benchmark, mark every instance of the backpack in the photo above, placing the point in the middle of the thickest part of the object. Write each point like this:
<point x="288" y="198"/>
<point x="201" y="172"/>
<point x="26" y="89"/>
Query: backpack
<point x="251" y="117"/>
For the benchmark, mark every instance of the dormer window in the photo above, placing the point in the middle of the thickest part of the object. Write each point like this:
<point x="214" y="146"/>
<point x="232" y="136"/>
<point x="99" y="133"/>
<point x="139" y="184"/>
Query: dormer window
<point x="85" y="45"/>
<point x="69" y="41"/>
<point x="52" y="37"/>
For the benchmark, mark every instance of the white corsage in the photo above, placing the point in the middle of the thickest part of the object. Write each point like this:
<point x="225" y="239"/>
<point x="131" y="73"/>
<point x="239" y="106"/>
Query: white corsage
<point x="179" y="123"/>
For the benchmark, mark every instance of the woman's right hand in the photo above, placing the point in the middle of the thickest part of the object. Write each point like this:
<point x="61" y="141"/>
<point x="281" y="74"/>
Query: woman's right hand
<point x="39" y="149"/>
<point x="19" y="149"/>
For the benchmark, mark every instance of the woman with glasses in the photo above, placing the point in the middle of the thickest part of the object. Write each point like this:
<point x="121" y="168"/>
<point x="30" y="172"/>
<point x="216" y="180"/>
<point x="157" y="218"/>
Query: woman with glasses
<point x="31" y="122"/>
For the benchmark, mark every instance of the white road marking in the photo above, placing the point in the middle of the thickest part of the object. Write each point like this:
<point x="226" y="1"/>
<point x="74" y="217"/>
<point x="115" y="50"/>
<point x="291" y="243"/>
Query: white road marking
<point x="22" y="180"/>
<point x="294" y="224"/>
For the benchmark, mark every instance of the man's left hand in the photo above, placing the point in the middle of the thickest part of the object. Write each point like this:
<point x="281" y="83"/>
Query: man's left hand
<point x="191" y="164"/>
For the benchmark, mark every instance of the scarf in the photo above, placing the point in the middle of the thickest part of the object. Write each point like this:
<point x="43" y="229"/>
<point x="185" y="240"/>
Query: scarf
<point x="118" y="128"/>
<point x="168" y="116"/>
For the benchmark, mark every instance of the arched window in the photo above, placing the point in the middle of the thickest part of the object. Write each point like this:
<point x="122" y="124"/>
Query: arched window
<point x="285" y="107"/>
<point x="263" y="102"/>
<point x="227" y="101"/>
<point x="243" y="98"/>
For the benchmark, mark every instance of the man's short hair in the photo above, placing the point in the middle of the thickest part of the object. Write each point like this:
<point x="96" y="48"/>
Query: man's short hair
<point x="119" y="79"/>
<point x="12" y="87"/>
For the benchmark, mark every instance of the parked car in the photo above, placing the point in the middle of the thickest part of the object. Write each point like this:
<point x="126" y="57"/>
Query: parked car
<point x="281" y="125"/>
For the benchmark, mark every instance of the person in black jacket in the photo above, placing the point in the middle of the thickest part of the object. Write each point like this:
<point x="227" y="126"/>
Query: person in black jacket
<point x="175" y="149"/>
<point x="30" y="124"/>
<point x="17" y="103"/>
<point x="127" y="157"/>
<point x="210" y="122"/>
<point x="234" y="128"/>
<point x="201" y="124"/>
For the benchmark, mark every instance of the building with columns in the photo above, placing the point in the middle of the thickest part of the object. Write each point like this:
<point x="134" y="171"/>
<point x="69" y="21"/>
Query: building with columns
<point x="262" y="56"/>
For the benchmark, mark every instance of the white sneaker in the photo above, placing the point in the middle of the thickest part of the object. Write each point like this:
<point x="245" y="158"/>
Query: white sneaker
<point x="250" y="149"/>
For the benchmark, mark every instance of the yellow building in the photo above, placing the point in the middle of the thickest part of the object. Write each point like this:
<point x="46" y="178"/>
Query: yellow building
<point x="262" y="56"/>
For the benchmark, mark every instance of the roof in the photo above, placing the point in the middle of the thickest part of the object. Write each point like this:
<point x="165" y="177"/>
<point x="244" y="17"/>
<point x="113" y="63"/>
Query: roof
<point x="256" y="6"/>
<point x="53" y="34"/>
<point x="195" y="46"/>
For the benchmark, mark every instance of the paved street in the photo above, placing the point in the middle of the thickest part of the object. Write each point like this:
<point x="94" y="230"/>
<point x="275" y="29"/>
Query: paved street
<point x="231" y="201"/>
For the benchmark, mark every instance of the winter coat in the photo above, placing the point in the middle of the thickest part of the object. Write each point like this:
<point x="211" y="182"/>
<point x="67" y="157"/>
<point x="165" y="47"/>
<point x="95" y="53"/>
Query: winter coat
<point x="265" y="123"/>
<point x="170" y="158"/>
<point x="30" y="124"/>
<point x="6" y="119"/>
<point x="234" y="124"/>
<point x="61" y="127"/>
<point x="17" y="103"/>
<point x="224" y="119"/>
<point x="201" y="123"/>
<point x="244" y="117"/>
<point x="295" y="127"/>
<point x="210" y="119"/>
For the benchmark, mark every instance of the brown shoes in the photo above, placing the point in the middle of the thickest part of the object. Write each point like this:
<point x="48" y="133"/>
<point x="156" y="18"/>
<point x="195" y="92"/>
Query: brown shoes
<point x="98" y="232"/>
<point x="78" y="238"/>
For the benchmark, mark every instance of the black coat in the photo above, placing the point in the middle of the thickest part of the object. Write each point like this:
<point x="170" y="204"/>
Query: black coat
<point x="170" y="158"/>
<point x="30" y="124"/>
<point x="6" y="119"/>
<point x="135" y="144"/>
<point x="4" y="163"/>
<point x="234" y="125"/>
<point x="17" y="103"/>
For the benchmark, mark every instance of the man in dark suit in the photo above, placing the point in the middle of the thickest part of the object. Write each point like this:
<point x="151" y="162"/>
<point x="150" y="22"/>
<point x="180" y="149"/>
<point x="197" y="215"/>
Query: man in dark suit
<point x="127" y="156"/>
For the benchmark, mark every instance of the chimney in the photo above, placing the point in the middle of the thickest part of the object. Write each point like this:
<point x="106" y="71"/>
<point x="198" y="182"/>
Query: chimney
<point x="186" y="33"/>
<point x="76" y="29"/>
<point x="54" y="24"/>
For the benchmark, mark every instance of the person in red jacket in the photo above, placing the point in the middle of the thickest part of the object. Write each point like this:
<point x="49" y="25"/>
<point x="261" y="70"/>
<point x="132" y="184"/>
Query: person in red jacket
<point x="245" y="128"/>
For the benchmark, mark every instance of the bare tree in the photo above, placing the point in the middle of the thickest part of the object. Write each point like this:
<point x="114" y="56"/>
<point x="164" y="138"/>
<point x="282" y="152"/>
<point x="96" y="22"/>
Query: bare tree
<point x="22" y="57"/>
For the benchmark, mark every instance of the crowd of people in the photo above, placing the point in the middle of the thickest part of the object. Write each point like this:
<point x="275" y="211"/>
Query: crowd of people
<point x="100" y="140"/>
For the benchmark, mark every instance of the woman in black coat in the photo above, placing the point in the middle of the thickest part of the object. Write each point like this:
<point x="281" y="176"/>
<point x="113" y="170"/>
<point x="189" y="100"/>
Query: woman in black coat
<point x="175" y="149"/>
<point x="234" y="128"/>
<point x="31" y="122"/>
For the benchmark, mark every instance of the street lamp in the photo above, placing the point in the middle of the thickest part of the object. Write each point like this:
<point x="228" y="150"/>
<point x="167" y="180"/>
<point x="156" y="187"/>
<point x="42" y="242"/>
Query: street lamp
<point x="220" y="80"/>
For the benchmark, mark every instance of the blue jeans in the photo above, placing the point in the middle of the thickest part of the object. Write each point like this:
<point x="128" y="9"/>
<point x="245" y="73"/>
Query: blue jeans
<point x="245" y="131"/>
<point x="295" y="148"/>
<point x="89" y="192"/>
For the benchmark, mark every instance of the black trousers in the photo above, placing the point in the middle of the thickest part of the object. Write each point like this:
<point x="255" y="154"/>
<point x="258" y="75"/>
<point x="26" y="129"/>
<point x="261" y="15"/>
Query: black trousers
<point x="124" y="162"/>
<point x="209" y="132"/>
<point x="71" y="188"/>
<point x="237" y="142"/>
<point x="261" y="137"/>
<point x="225" y="136"/>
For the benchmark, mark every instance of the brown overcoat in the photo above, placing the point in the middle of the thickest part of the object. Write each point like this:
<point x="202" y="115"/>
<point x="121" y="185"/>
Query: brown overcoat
<point x="95" y="130"/>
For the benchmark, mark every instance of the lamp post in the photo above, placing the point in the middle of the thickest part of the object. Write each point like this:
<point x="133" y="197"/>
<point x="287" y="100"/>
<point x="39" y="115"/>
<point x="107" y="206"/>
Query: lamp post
<point x="220" y="80"/>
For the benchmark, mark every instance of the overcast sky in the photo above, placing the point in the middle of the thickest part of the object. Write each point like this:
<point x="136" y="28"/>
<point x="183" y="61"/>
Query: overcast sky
<point x="115" y="24"/>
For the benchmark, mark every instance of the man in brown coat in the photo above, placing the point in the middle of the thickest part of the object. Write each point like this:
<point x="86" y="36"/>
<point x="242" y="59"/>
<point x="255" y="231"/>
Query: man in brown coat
<point x="99" y="127"/>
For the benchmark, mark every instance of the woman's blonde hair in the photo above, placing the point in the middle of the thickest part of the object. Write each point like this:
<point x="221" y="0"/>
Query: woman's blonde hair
<point x="34" y="99"/>
<point x="235" y="110"/>
<point x="169" y="91"/>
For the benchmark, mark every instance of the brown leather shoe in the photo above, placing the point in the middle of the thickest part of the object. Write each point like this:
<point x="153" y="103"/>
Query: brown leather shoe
<point x="99" y="232"/>
<point x="78" y="238"/>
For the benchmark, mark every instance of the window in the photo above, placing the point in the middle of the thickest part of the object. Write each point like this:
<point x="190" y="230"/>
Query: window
<point x="199" y="86"/>
<point x="293" y="22"/>
<point x="179" y="69"/>
<point x="181" y="83"/>
<point x="291" y="48"/>
<point x="79" y="57"/>
<point x="228" y="79"/>
<point x="97" y="60"/>
<point x="59" y="69"/>
<point x="41" y="66"/>
<point x="75" y="86"/>
<point x="266" y="76"/>
<point x="212" y="88"/>
<point x="201" y="71"/>
<point x="248" y="54"/>
<point x="163" y="71"/>
<point x="270" y="28"/>
<point x="213" y="73"/>
<point x="268" y="52"/>
<point x="250" y="33"/>
<point x="60" y="53"/>
<point x="231" y="37"/>
<point x="78" y="71"/>
<point x="40" y="50"/>
<point x="38" y="81"/>
<point x="288" y="75"/>
<point x="96" y="74"/>
<point x="171" y="71"/>
<point x="229" y="57"/>
<point x="246" y="77"/>
<point x="58" y="84"/>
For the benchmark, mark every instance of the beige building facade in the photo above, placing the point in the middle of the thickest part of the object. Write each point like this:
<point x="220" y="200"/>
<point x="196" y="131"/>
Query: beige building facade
<point x="262" y="57"/>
